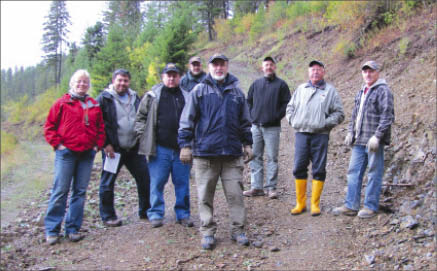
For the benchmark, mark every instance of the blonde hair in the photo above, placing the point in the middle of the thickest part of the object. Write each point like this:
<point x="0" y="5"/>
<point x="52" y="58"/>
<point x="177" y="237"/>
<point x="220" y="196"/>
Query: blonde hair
<point x="76" y="75"/>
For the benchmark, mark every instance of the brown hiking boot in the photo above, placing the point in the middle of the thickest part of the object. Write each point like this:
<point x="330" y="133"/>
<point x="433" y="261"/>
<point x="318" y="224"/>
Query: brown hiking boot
<point x="254" y="193"/>
<point x="272" y="194"/>
<point x="343" y="210"/>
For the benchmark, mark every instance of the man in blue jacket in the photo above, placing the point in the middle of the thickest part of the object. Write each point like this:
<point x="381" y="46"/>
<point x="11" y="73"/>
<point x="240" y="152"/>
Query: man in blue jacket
<point x="194" y="76"/>
<point x="369" y="132"/>
<point x="215" y="129"/>
<point x="119" y="105"/>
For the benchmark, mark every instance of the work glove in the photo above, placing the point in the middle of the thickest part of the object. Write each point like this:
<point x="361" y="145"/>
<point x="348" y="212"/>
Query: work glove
<point x="348" y="140"/>
<point x="373" y="144"/>
<point x="248" y="154"/>
<point x="186" y="155"/>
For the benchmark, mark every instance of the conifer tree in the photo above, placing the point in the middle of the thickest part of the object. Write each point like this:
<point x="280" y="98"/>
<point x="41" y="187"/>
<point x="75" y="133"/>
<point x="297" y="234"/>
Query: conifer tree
<point x="54" y="37"/>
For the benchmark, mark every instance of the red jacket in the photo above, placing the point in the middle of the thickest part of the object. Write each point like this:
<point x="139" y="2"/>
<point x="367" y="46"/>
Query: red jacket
<point x="77" y="125"/>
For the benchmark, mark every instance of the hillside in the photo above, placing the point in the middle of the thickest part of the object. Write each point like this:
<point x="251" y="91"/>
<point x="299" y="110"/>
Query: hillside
<point x="401" y="237"/>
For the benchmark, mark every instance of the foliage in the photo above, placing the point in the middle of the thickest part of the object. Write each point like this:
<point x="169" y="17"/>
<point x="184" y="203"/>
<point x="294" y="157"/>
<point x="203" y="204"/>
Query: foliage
<point x="8" y="142"/>
<point x="245" y="24"/>
<point x="347" y="13"/>
<point x="224" y="31"/>
<point x="258" y="24"/>
<point x="94" y="40"/>
<point x="152" y="77"/>
<point x="55" y="32"/>
<point x="403" y="46"/>
<point x="139" y="58"/>
<point x="345" y="47"/>
<point x="277" y="11"/>
<point x="111" y="57"/>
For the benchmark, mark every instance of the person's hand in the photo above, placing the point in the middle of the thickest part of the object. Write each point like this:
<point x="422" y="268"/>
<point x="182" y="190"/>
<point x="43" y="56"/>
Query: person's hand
<point x="109" y="151"/>
<point x="248" y="154"/>
<point x="61" y="147"/>
<point x="348" y="139"/>
<point x="373" y="144"/>
<point x="186" y="155"/>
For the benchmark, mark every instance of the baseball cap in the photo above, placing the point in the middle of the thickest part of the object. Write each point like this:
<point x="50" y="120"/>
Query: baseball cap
<point x="218" y="56"/>
<point x="316" y="62"/>
<point x="171" y="67"/>
<point x="371" y="64"/>
<point x="195" y="59"/>
<point x="270" y="58"/>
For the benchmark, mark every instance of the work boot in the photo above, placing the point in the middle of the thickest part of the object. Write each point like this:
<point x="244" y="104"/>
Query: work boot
<point x="186" y="222"/>
<point x="52" y="239"/>
<point x="156" y="223"/>
<point x="208" y="242"/>
<point x="272" y="194"/>
<point x="112" y="223"/>
<point x="366" y="213"/>
<point x="241" y="239"/>
<point x="301" y="197"/>
<point x="343" y="210"/>
<point x="315" y="197"/>
<point x="254" y="193"/>
<point x="75" y="237"/>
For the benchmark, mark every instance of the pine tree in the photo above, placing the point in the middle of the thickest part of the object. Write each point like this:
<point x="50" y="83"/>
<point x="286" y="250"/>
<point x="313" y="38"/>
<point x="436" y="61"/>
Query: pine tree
<point x="55" y="33"/>
<point x="94" y="40"/>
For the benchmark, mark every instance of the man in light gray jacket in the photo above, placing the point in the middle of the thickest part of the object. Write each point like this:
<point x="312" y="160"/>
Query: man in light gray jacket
<point x="314" y="109"/>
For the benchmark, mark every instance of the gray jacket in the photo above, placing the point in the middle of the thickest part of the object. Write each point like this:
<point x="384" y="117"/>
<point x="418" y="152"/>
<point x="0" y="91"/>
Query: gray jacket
<point x="146" y="120"/>
<point x="315" y="109"/>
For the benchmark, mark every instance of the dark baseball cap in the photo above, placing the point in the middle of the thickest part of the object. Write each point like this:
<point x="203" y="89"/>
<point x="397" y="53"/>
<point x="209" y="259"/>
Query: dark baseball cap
<point x="218" y="56"/>
<point x="195" y="59"/>
<point x="372" y="65"/>
<point x="171" y="67"/>
<point x="316" y="62"/>
<point x="270" y="58"/>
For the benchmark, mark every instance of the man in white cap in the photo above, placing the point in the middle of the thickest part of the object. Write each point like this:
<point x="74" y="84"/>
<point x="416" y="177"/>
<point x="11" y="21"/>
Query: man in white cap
<point x="313" y="111"/>
<point x="369" y="131"/>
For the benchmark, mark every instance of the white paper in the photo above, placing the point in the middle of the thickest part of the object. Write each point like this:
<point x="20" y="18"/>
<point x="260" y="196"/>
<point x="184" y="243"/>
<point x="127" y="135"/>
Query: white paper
<point x="111" y="164"/>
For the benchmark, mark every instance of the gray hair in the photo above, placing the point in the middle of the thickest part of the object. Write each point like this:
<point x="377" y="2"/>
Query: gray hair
<point x="78" y="74"/>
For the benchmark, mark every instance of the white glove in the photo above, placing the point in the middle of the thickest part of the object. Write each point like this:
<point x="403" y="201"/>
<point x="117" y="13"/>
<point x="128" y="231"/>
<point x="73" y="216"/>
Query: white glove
<point x="373" y="144"/>
<point x="348" y="139"/>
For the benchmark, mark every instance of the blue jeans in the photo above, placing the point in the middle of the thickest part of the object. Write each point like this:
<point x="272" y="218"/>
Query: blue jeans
<point x="73" y="169"/>
<point x="137" y="166"/>
<point x="360" y="159"/>
<point x="310" y="147"/>
<point x="267" y="137"/>
<point x="165" y="162"/>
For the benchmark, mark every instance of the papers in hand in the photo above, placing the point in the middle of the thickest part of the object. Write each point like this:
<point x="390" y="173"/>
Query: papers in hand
<point x="111" y="164"/>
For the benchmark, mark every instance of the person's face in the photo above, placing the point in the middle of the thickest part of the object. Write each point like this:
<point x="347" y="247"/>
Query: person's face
<point x="82" y="85"/>
<point x="268" y="68"/>
<point x="218" y="69"/>
<point x="195" y="68"/>
<point x="171" y="79"/>
<point x="316" y="73"/>
<point x="121" y="83"/>
<point x="370" y="76"/>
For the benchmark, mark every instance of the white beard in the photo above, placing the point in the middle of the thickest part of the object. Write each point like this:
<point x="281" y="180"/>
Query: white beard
<point x="218" y="77"/>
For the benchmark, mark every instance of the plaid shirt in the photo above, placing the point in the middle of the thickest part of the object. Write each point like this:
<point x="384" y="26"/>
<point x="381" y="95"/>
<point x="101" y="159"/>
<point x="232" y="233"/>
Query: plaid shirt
<point x="377" y="114"/>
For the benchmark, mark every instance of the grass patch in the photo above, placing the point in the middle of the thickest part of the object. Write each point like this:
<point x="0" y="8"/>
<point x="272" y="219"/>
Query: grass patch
<point x="8" y="142"/>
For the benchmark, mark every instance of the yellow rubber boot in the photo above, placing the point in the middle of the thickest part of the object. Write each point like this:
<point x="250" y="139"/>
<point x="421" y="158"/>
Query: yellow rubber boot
<point x="301" y="196"/>
<point x="315" y="197"/>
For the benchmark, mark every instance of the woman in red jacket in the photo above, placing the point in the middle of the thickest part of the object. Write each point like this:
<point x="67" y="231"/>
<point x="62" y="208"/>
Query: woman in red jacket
<point x="75" y="129"/>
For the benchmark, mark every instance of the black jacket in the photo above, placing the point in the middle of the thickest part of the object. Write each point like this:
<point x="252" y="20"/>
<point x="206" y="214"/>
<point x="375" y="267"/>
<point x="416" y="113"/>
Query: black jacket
<point x="106" y="101"/>
<point x="267" y="100"/>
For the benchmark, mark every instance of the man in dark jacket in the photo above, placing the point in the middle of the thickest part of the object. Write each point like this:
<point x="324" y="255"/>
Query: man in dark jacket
<point x="267" y="99"/>
<point x="215" y="129"/>
<point x="119" y="105"/>
<point x="194" y="76"/>
<point x="369" y="132"/>
<point x="157" y="124"/>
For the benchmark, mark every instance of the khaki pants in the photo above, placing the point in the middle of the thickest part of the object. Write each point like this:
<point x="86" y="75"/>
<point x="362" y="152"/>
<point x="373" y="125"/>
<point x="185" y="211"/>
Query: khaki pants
<point x="207" y="172"/>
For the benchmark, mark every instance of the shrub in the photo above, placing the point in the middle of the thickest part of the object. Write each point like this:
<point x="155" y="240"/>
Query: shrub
<point x="8" y="142"/>
<point x="347" y="48"/>
<point x="258" y="24"/>
<point x="245" y="23"/>
<point x="224" y="30"/>
<point x="403" y="45"/>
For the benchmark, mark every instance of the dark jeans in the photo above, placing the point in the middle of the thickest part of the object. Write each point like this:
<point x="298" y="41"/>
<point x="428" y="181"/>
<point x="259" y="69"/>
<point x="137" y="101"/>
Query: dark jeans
<point x="310" y="147"/>
<point x="137" y="166"/>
